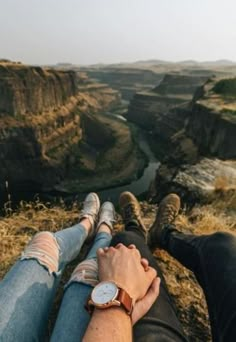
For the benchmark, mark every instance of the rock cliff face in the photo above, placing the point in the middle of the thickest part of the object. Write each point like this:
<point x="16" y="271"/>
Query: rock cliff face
<point x="195" y="182"/>
<point x="40" y="122"/>
<point x="212" y="120"/>
<point x="174" y="91"/>
<point x="104" y="97"/>
<point x="33" y="90"/>
<point x="209" y="131"/>
<point x="191" y="120"/>
<point x="127" y="80"/>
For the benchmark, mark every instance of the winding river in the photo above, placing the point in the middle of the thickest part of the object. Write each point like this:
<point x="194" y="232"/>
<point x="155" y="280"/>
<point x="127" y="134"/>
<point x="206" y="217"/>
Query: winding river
<point x="140" y="185"/>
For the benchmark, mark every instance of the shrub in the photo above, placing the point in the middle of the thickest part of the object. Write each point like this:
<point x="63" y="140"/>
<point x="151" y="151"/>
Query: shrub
<point x="226" y="87"/>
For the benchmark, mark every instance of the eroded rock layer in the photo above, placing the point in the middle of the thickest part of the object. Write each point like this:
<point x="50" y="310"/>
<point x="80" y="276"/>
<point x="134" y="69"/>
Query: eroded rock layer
<point x="33" y="90"/>
<point x="212" y="119"/>
<point x="127" y="80"/>
<point x="174" y="91"/>
<point x="40" y="123"/>
<point x="209" y="131"/>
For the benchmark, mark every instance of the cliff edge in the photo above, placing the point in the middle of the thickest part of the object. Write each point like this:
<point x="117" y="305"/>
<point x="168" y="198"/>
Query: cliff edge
<point x="212" y="121"/>
<point x="202" y="152"/>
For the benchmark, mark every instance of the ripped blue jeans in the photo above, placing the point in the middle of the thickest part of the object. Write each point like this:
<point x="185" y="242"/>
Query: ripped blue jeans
<point x="28" y="289"/>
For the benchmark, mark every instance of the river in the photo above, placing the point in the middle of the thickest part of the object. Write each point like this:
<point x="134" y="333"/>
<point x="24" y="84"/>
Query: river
<point x="140" y="185"/>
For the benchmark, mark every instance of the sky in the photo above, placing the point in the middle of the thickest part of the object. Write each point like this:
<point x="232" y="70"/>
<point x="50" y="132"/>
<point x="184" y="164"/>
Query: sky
<point x="113" y="31"/>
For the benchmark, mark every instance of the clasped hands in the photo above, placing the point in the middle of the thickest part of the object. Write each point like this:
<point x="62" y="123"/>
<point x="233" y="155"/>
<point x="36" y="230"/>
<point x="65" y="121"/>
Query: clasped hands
<point x="125" y="266"/>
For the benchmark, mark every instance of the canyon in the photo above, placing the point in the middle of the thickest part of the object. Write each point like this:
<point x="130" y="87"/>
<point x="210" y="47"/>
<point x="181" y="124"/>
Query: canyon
<point x="63" y="131"/>
<point x="52" y="130"/>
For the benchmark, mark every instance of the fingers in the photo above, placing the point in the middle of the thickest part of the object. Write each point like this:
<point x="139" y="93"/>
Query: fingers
<point x="132" y="246"/>
<point x="145" y="264"/>
<point x="151" y="273"/>
<point x="143" y="305"/>
<point x="100" y="252"/>
<point x="155" y="287"/>
<point x="120" y="246"/>
<point x="153" y="292"/>
<point x="144" y="261"/>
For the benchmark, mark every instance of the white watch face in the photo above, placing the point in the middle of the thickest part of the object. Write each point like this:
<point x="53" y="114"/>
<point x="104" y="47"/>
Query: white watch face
<point x="104" y="292"/>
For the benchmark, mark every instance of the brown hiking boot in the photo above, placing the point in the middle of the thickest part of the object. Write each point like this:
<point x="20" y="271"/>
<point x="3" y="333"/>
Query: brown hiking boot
<point x="166" y="214"/>
<point x="130" y="211"/>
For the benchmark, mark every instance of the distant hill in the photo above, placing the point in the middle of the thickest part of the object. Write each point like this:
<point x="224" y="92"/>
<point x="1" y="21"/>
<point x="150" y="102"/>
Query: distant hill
<point x="219" y="62"/>
<point x="158" y="63"/>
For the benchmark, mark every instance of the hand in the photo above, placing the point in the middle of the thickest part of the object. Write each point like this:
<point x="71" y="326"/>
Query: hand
<point x="142" y="306"/>
<point x="123" y="266"/>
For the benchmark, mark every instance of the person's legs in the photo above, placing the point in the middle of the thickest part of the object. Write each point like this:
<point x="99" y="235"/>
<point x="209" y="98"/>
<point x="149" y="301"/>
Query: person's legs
<point x="28" y="289"/>
<point x="160" y="323"/>
<point x="73" y="318"/>
<point x="212" y="258"/>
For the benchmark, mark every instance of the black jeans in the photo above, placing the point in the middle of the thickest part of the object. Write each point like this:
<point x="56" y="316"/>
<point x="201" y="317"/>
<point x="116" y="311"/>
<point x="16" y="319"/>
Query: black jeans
<point x="212" y="258"/>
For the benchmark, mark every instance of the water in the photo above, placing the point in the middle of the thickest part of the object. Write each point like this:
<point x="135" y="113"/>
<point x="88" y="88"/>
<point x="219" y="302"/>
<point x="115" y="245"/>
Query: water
<point x="138" y="186"/>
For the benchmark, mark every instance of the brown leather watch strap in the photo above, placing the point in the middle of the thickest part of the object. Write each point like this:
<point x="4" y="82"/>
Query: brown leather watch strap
<point x="125" y="300"/>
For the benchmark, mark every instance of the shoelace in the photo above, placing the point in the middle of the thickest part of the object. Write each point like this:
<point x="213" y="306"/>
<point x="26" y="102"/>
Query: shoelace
<point x="168" y="214"/>
<point x="130" y="212"/>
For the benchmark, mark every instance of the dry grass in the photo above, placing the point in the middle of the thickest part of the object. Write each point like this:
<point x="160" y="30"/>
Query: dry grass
<point x="16" y="229"/>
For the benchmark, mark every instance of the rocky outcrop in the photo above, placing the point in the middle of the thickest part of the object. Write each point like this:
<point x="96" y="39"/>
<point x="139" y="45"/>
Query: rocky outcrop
<point x="209" y="131"/>
<point x="105" y="98"/>
<point x="127" y="80"/>
<point x="40" y="123"/>
<point x="175" y="91"/>
<point x="183" y="86"/>
<point x="212" y="120"/>
<point x="33" y="149"/>
<point x="33" y="90"/>
<point x="195" y="182"/>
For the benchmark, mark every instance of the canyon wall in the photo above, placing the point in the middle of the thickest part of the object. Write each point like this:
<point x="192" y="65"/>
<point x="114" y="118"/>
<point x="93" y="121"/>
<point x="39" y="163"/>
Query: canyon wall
<point x="192" y="128"/>
<point x="33" y="90"/>
<point x="203" y="155"/>
<point x="40" y="123"/>
<point x="174" y="92"/>
<point x="127" y="80"/>
<point x="212" y="119"/>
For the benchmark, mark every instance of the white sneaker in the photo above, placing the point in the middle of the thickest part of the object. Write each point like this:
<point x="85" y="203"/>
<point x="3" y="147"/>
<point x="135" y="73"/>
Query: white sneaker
<point x="107" y="215"/>
<point x="90" y="208"/>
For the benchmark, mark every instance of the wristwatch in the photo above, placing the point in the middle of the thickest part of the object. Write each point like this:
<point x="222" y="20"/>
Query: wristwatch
<point x="107" y="294"/>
